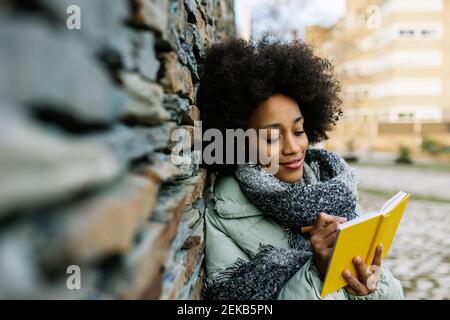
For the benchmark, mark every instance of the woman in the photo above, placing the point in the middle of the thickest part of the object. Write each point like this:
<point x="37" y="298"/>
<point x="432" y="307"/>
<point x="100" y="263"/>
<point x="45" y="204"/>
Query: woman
<point x="254" y="249"/>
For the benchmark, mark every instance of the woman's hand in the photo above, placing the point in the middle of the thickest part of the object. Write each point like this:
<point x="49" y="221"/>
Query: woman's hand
<point x="367" y="280"/>
<point x="322" y="237"/>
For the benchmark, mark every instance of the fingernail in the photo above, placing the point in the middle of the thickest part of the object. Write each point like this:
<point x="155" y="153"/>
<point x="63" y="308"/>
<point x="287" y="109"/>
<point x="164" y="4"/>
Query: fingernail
<point x="346" y="273"/>
<point x="380" y="247"/>
<point x="342" y="219"/>
<point x="358" y="259"/>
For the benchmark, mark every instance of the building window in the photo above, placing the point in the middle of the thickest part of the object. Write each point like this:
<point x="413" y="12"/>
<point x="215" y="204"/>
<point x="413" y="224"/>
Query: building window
<point x="420" y="32"/>
<point x="402" y="116"/>
<point x="406" y="32"/>
<point x="428" y="32"/>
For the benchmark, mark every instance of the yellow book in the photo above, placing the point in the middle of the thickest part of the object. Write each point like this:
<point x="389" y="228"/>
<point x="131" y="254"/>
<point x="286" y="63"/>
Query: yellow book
<point x="360" y="237"/>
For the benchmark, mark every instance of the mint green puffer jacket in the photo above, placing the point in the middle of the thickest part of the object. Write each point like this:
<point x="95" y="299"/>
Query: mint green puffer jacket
<point x="235" y="228"/>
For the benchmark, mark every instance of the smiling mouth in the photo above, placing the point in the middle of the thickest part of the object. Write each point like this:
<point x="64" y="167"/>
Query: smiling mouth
<point x="294" y="164"/>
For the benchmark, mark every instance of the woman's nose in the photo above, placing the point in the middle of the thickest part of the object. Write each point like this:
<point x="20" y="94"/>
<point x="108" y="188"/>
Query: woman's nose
<point x="290" y="146"/>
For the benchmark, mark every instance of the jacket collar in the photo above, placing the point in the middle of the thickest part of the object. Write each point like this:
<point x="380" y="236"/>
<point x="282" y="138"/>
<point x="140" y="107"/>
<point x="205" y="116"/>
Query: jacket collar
<point x="230" y="201"/>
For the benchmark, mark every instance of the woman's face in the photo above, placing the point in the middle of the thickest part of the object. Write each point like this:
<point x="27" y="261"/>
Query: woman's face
<point x="282" y="118"/>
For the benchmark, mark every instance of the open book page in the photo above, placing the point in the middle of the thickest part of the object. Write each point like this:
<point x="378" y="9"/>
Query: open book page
<point x="361" y="218"/>
<point x="393" y="202"/>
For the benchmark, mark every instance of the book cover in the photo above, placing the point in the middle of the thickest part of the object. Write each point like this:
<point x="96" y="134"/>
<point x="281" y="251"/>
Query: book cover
<point x="360" y="237"/>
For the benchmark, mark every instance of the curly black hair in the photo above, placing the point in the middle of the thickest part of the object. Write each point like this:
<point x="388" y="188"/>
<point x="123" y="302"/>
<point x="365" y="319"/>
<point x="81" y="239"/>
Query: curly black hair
<point x="238" y="75"/>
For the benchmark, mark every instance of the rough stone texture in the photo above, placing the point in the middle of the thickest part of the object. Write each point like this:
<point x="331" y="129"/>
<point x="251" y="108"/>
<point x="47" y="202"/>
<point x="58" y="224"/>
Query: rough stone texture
<point x="161" y="170"/>
<point x="130" y="143"/>
<point x="87" y="174"/>
<point x="139" y="269"/>
<point x="48" y="167"/>
<point x="147" y="63"/>
<point x="182" y="264"/>
<point x="146" y="100"/>
<point x="47" y="70"/>
<point x="195" y="292"/>
<point x="175" y="77"/>
<point x="181" y="110"/>
<point x="152" y="14"/>
<point x="83" y="233"/>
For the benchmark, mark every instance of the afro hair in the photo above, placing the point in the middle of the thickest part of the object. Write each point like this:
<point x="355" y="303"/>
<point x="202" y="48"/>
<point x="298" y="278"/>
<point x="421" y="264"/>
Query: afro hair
<point x="238" y="75"/>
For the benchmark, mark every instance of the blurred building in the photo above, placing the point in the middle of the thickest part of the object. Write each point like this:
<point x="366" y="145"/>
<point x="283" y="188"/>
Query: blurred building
<point x="393" y="60"/>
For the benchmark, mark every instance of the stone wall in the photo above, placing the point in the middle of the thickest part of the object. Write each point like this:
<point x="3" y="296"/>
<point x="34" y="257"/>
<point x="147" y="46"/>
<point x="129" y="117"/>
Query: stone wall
<point x="89" y="196"/>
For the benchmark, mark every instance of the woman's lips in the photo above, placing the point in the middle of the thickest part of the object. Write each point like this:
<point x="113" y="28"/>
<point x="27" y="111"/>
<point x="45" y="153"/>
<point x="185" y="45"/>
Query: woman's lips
<point x="293" y="165"/>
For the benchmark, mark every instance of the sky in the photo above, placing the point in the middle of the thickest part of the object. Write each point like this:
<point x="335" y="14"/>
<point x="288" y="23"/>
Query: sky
<point x="282" y="16"/>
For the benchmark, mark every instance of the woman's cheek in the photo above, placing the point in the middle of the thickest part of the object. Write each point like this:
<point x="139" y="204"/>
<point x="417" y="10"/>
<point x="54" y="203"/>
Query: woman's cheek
<point x="303" y="142"/>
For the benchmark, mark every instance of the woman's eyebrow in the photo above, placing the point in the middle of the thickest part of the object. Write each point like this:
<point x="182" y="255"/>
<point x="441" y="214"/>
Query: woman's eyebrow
<point x="298" y="119"/>
<point x="277" y="125"/>
<point x="272" y="125"/>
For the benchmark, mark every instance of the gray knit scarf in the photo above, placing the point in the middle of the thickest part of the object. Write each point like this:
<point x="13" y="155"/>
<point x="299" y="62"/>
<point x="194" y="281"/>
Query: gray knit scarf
<point x="328" y="185"/>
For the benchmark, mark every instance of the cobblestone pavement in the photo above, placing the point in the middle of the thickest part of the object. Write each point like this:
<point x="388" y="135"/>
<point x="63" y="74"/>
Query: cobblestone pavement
<point x="420" y="254"/>
<point x="414" y="180"/>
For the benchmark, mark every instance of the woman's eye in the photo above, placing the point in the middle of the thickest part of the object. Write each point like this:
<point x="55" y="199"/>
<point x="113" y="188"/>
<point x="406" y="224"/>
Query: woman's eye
<point x="299" y="133"/>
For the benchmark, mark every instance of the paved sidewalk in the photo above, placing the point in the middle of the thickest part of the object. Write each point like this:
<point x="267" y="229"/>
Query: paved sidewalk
<point x="420" y="254"/>
<point x="417" y="181"/>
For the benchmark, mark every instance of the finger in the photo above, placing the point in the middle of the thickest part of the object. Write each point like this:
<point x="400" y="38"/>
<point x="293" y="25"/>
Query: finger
<point x="361" y="269"/>
<point x="329" y="241"/>
<point x="335" y="218"/>
<point x="350" y="290"/>
<point x="340" y="219"/>
<point x="354" y="283"/>
<point x="326" y="253"/>
<point x="320" y="243"/>
<point x="323" y="220"/>
<point x="328" y="230"/>
<point x="378" y="254"/>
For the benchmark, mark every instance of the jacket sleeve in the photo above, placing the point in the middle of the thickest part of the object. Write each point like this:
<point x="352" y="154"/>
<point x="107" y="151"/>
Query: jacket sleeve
<point x="307" y="285"/>
<point x="233" y="275"/>
<point x="220" y="250"/>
